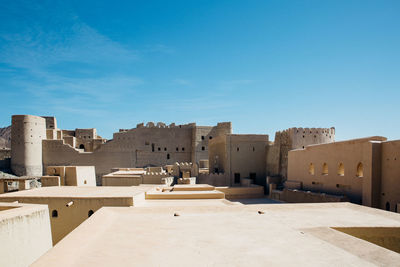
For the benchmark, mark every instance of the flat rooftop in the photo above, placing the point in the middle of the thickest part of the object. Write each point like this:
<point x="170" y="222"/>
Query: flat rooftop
<point x="12" y="210"/>
<point x="80" y="192"/>
<point x="126" y="173"/>
<point x="237" y="235"/>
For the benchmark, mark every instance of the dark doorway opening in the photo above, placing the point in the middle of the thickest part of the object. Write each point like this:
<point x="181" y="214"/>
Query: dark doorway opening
<point x="237" y="178"/>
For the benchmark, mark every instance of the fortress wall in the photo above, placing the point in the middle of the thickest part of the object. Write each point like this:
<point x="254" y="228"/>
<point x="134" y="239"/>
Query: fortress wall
<point x="27" y="133"/>
<point x="272" y="160"/>
<point x="56" y="153"/>
<point x="330" y="180"/>
<point x="390" y="181"/>
<point x="150" y="144"/>
<point x="218" y="155"/>
<point x="215" y="179"/>
<point x="302" y="137"/>
<point x="246" y="157"/>
<point x="51" y="122"/>
<point x="294" y="138"/>
<point x="86" y="133"/>
<point x="202" y="135"/>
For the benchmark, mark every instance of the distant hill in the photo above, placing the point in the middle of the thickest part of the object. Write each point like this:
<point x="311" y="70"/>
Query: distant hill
<point x="5" y="137"/>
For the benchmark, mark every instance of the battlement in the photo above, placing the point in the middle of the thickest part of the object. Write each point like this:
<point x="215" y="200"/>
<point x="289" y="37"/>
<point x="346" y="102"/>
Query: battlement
<point x="227" y="125"/>
<point x="183" y="164"/>
<point x="294" y="133"/>
<point x="301" y="130"/>
<point x="163" y="125"/>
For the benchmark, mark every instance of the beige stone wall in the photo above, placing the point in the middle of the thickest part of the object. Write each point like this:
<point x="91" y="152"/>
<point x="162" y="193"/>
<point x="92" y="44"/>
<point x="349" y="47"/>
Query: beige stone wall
<point x="390" y="182"/>
<point x="56" y="171"/>
<point x="86" y="133"/>
<point x="340" y="173"/>
<point x="121" y="180"/>
<point x="25" y="233"/>
<point x="51" y="122"/>
<point x="80" y="176"/>
<point x="218" y="155"/>
<point x="300" y="196"/>
<point x="247" y="157"/>
<point x="254" y="191"/>
<point x="150" y="145"/>
<point x="243" y="155"/>
<point x="50" y="181"/>
<point x="294" y="138"/>
<point x="215" y="179"/>
<point x="110" y="155"/>
<point x="27" y="133"/>
<point x="202" y="135"/>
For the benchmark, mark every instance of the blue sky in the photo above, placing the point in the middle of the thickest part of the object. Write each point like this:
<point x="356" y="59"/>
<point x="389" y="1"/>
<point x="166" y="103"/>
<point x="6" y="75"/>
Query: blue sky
<point x="264" y="65"/>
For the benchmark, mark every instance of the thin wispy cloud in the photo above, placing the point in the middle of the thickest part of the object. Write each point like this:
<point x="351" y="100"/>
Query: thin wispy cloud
<point x="182" y="82"/>
<point x="66" y="62"/>
<point x="158" y="48"/>
<point x="37" y="46"/>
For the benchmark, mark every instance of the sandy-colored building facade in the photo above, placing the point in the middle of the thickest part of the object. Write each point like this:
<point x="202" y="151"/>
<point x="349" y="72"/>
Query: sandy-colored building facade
<point x="293" y="138"/>
<point x="365" y="170"/>
<point x="38" y="143"/>
<point x="239" y="157"/>
<point x="69" y="176"/>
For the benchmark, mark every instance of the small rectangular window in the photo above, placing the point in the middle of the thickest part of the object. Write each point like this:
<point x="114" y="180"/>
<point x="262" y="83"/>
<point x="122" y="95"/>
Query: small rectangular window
<point x="237" y="178"/>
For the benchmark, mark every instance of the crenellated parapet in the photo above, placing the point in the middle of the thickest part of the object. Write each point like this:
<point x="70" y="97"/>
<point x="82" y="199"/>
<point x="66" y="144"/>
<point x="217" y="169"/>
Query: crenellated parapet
<point x="162" y="125"/>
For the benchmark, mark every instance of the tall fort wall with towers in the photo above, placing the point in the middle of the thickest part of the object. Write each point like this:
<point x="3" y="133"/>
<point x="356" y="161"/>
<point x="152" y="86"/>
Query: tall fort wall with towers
<point x="37" y="142"/>
<point x="293" y="138"/>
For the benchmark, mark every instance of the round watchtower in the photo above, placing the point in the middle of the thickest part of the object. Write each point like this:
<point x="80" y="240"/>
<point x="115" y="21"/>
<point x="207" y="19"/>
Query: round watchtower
<point x="27" y="133"/>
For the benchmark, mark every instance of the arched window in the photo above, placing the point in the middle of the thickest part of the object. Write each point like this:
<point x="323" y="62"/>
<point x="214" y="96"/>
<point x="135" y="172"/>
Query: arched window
<point x="311" y="169"/>
<point x="360" y="170"/>
<point x="54" y="214"/>
<point x="324" y="169"/>
<point x="340" y="170"/>
<point x="90" y="213"/>
<point x="388" y="206"/>
<point x="167" y="156"/>
<point x="82" y="146"/>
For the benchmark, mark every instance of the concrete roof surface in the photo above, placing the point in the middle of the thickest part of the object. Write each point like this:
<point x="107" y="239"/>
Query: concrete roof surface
<point x="10" y="210"/>
<point x="80" y="191"/>
<point x="282" y="235"/>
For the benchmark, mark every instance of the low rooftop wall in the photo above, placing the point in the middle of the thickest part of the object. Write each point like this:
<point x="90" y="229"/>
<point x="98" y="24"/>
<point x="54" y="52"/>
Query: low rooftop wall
<point x="254" y="191"/>
<point x="300" y="196"/>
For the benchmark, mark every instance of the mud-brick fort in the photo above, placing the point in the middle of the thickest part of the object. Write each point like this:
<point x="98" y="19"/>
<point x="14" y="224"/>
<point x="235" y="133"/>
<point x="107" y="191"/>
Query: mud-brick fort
<point x="192" y="195"/>
<point x="38" y="143"/>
